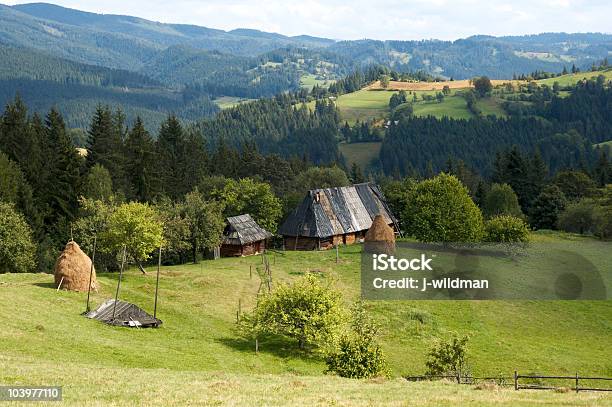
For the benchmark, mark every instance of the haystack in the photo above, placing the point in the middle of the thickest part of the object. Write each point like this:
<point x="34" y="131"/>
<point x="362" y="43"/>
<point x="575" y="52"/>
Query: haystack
<point x="380" y="238"/>
<point x="72" y="269"/>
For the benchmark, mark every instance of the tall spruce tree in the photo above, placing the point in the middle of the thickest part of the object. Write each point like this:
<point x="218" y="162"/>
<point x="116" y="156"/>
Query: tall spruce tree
<point x="106" y="144"/>
<point x="14" y="131"/>
<point x="141" y="165"/>
<point x="170" y="155"/>
<point x="63" y="183"/>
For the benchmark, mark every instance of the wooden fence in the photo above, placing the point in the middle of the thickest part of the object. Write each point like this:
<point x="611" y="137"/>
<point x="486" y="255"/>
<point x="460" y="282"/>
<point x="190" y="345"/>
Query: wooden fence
<point x="575" y="381"/>
<point x="537" y="381"/>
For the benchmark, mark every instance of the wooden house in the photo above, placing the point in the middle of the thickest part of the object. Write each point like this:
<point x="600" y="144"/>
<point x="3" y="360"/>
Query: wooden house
<point x="333" y="216"/>
<point x="243" y="237"/>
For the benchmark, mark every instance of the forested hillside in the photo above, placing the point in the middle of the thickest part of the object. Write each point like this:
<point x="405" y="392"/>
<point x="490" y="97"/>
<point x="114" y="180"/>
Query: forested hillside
<point x="562" y="129"/>
<point x="75" y="60"/>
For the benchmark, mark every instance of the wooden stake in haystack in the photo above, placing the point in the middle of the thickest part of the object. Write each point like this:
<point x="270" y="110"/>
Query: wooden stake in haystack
<point x="74" y="270"/>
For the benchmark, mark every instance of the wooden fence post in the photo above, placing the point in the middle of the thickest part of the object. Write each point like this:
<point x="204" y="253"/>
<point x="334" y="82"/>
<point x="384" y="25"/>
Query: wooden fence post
<point x="577" y="382"/>
<point x="515" y="380"/>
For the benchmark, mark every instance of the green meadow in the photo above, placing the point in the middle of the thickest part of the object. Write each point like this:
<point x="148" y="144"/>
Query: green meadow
<point x="197" y="354"/>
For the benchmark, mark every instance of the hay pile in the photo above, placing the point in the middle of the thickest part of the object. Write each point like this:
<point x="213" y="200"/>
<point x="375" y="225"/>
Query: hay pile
<point x="73" y="266"/>
<point x="380" y="238"/>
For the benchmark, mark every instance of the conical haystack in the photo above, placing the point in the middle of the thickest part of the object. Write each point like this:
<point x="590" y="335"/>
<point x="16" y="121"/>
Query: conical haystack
<point x="72" y="269"/>
<point x="380" y="238"/>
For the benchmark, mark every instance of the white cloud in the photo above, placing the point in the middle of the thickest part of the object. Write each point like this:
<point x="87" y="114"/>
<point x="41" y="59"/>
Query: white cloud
<point x="384" y="19"/>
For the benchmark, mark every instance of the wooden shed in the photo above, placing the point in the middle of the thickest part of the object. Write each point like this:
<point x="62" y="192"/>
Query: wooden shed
<point x="333" y="216"/>
<point x="243" y="237"/>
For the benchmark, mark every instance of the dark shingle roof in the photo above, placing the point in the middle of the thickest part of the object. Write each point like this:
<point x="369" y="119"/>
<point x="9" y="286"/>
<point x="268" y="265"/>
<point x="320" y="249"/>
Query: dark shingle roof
<point x="241" y="230"/>
<point x="337" y="211"/>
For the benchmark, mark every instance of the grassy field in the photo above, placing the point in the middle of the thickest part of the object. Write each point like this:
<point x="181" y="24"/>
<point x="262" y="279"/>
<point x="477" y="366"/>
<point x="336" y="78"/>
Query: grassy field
<point x="453" y="106"/>
<point x="225" y="102"/>
<point x="361" y="154"/>
<point x="367" y="104"/>
<point x="198" y="355"/>
<point x="571" y="79"/>
<point x="309" y="81"/>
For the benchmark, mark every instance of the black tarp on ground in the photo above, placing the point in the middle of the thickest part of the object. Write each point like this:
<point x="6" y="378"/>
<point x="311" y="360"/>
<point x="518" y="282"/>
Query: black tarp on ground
<point x="126" y="314"/>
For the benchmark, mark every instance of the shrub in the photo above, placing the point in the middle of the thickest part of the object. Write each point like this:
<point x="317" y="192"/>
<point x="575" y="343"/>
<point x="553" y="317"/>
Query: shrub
<point x="17" y="249"/>
<point x="506" y="229"/>
<point x="358" y="355"/>
<point x="441" y="210"/>
<point x="578" y="217"/>
<point x="306" y="310"/>
<point x="448" y="358"/>
<point x="357" y="358"/>
<point x="501" y="200"/>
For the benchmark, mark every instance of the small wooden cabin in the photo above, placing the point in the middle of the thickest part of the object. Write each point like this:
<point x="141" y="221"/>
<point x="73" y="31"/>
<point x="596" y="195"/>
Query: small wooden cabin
<point x="243" y="237"/>
<point x="333" y="216"/>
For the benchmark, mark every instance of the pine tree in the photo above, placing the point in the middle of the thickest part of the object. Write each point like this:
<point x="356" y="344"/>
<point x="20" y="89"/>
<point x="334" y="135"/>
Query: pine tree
<point x="14" y="132"/>
<point x="170" y="156"/>
<point x="63" y="183"/>
<point x="141" y="163"/>
<point x="106" y="145"/>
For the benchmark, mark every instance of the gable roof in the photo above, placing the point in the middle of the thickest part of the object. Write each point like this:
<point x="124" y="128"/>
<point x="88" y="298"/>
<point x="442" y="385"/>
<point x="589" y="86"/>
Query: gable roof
<point x="242" y="229"/>
<point x="337" y="211"/>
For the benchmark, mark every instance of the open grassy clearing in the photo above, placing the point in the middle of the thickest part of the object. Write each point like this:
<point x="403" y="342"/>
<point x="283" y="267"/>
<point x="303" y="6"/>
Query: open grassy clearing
<point x="308" y="81"/>
<point x="45" y="340"/>
<point x="453" y="106"/>
<point x="361" y="154"/>
<point x="572" y="79"/>
<point x="226" y="102"/>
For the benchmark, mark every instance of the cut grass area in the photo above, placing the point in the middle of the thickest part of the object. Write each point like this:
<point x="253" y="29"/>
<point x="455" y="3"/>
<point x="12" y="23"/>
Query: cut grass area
<point x="572" y="79"/>
<point x="366" y="105"/>
<point x="84" y="384"/>
<point x="45" y="340"/>
<point x="308" y="81"/>
<point x="361" y="154"/>
<point x="453" y="106"/>
<point x="491" y="106"/>
<point x="225" y="102"/>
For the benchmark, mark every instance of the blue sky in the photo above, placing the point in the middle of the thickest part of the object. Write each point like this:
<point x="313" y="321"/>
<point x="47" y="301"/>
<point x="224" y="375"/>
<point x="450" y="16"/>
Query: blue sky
<point x="379" y="19"/>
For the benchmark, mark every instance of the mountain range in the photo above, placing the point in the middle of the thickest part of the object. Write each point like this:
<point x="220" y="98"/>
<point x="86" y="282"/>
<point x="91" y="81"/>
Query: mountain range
<point x="53" y="55"/>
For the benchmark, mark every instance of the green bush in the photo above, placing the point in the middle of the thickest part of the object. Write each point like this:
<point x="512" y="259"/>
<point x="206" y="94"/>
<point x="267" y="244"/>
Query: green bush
<point x="357" y="358"/>
<point x="506" y="229"/>
<point x="17" y="250"/>
<point x="357" y="354"/>
<point x="441" y="210"/>
<point x="448" y="357"/>
<point x="501" y="200"/>
<point x="306" y="310"/>
<point x="578" y="217"/>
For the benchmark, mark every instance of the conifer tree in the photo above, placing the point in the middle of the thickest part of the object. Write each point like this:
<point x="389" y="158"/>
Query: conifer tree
<point x="170" y="156"/>
<point x="65" y="163"/>
<point x="141" y="166"/>
<point x="106" y="144"/>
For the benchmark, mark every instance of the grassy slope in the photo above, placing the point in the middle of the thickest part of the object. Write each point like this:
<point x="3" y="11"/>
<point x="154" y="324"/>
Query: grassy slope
<point x="571" y="79"/>
<point x="44" y="339"/>
<point x="360" y="153"/>
<point x="226" y="102"/>
<point x="308" y="81"/>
